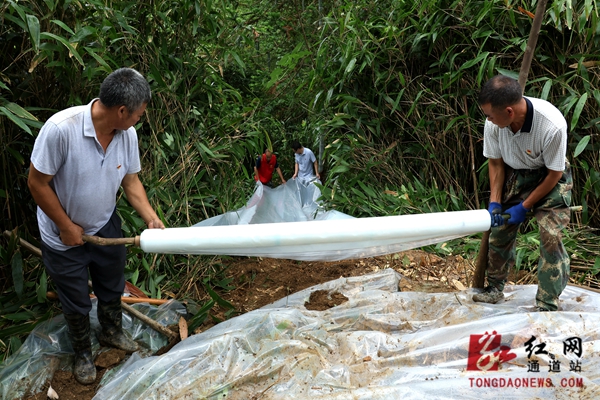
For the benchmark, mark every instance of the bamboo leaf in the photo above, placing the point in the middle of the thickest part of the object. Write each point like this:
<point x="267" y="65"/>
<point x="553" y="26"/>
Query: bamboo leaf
<point x="14" y="344"/>
<point x="338" y="169"/>
<point x="350" y="66"/>
<point x="63" y="25"/>
<point x="19" y="10"/>
<point x="474" y="61"/>
<point x="546" y="89"/>
<point x="20" y="316"/>
<point x="239" y="61"/>
<point x="20" y="111"/>
<point x="15" y="119"/>
<point x="200" y="316"/>
<point x="220" y="301"/>
<point x="99" y="59"/>
<point x="581" y="145"/>
<point x="17" y="329"/>
<point x="510" y="74"/>
<point x="134" y="277"/>
<point x="34" y="30"/>
<point x="18" y="157"/>
<point x="15" y="20"/>
<point x="17" y="273"/>
<point x="157" y="76"/>
<point x="82" y="34"/>
<point x="68" y="45"/>
<point x="42" y="288"/>
<point x="577" y="111"/>
<point x="50" y="4"/>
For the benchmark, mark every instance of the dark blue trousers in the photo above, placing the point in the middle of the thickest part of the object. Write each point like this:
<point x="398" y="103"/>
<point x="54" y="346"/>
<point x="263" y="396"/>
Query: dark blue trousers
<point x="105" y="265"/>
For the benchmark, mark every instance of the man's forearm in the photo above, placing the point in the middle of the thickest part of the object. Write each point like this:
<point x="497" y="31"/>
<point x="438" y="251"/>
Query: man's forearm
<point x="39" y="184"/>
<point x="496" y="173"/>
<point x="542" y="189"/>
<point x="280" y="175"/>
<point x="45" y="197"/>
<point x="47" y="200"/>
<point x="136" y="195"/>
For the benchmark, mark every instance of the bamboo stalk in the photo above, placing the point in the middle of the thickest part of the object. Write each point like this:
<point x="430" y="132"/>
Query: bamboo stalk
<point x="532" y="41"/>
<point x="472" y="154"/>
<point x="100" y="241"/>
<point x="124" y="299"/>
<point x="585" y="287"/>
<point x="25" y="244"/>
<point x="150" y="322"/>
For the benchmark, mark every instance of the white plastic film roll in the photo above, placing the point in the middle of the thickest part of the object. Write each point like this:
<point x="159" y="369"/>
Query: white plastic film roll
<point x="318" y="240"/>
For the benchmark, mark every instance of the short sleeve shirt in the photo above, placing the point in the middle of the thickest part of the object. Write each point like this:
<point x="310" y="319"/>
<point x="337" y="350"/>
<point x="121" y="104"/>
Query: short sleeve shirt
<point x="305" y="163"/>
<point x="541" y="142"/>
<point x="85" y="178"/>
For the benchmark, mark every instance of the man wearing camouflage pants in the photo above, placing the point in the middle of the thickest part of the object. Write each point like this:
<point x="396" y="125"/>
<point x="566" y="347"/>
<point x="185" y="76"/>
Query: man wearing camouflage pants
<point x="525" y="141"/>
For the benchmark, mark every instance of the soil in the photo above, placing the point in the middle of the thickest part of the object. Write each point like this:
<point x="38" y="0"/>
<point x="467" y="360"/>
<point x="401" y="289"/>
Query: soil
<point x="67" y="388"/>
<point x="321" y="300"/>
<point x="261" y="281"/>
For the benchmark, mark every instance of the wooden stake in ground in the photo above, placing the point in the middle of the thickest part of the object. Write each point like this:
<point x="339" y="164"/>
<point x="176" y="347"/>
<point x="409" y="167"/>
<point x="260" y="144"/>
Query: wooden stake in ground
<point x="482" y="258"/>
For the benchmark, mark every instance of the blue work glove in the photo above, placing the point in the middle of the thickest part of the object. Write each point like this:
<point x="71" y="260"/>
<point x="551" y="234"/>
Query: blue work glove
<point x="517" y="214"/>
<point x="495" y="210"/>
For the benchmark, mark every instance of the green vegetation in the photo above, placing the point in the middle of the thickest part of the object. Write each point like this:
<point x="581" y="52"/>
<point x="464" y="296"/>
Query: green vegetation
<point x="386" y="88"/>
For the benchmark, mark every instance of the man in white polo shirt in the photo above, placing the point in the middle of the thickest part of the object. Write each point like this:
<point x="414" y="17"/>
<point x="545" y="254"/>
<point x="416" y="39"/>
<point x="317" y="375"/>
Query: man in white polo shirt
<point x="525" y="141"/>
<point x="305" y="161"/>
<point x="80" y="159"/>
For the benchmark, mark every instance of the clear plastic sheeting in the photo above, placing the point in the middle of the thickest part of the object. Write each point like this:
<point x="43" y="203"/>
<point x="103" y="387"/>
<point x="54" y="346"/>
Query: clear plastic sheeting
<point x="48" y="348"/>
<point x="294" y="201"/>
<point x="275" y="223"/>
<point x="382" y="344"/>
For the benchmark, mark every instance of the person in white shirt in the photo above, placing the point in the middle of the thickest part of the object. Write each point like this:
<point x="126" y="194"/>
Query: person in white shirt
<point x="80" y="159"/>
<point x="305" y="161"/>
<point x="525" y="141"/>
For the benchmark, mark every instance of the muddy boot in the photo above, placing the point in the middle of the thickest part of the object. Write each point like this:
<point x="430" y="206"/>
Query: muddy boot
<point x="110" y="316"/>
<point x="490" y="295"/>
<point x="84" y="369"/>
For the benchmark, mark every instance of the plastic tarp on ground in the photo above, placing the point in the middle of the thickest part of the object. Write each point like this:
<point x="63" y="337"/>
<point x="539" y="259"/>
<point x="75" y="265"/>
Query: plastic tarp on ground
<point x="48" y="348"/>
<point x="383" y="344"/>
<point x="380" y="344"/>
<point x="288" y="222"/>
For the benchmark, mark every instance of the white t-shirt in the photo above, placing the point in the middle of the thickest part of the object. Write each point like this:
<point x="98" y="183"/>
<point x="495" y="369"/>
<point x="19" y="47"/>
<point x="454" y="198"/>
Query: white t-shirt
<point x="541" y="142"/>
<point x="85" y="178"/>
<point x="305" y="163"/>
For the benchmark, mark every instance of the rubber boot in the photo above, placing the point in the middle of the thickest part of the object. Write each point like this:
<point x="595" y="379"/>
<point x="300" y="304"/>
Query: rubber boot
<point x="84" y="369"/>
<point x="110" y="316"/>
<point x="490" y="294"/>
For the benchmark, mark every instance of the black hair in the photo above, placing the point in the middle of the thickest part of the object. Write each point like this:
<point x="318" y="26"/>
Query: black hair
<point x="125" y="87"/>
<point x="500" y="91"/>
<point x="296" y="145"/>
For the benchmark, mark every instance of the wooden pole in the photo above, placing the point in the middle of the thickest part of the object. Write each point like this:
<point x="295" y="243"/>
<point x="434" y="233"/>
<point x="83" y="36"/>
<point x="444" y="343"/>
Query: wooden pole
<point x="124" y="299"/>
<point x="100" y="241"/>
<point x="532" y="42"/>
